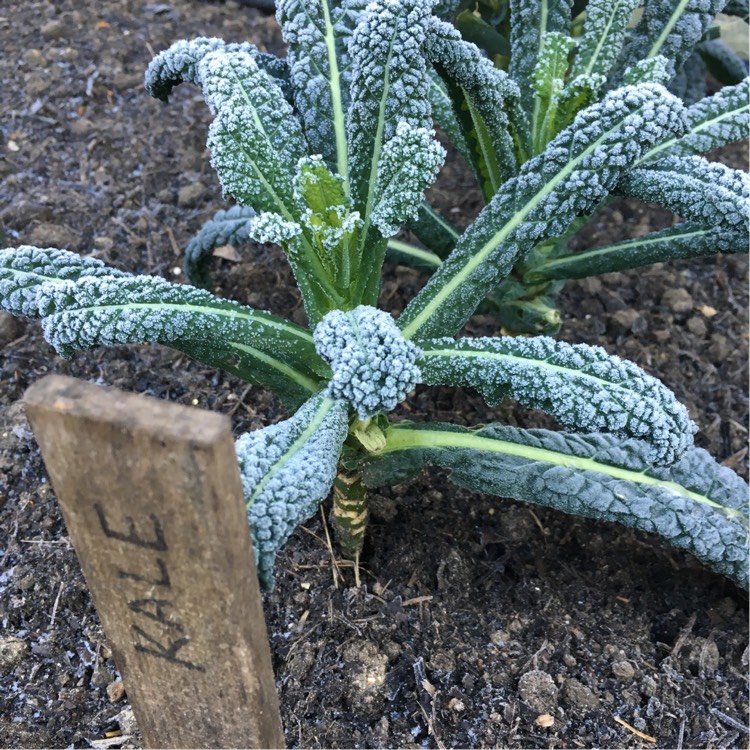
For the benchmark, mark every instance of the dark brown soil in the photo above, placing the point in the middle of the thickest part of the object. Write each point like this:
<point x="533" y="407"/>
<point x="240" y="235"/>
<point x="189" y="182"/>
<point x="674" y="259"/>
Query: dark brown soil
<point x="507" y="611"/>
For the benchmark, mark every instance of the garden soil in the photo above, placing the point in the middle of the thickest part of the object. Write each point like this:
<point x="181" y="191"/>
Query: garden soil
<point x="480" y="622"/>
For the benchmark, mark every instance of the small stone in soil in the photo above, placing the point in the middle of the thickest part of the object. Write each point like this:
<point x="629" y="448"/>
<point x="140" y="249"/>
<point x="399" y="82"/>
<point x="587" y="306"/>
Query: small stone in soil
<point x="116" y="691"/>
<point x="678" y="300"/>
<point x="577" y="695"/>
<point x="190" y="195"/>
<point x="623" y="670"/>
<point x="11" y="651"/>
<point x="47" y="234"/>
<point x="696" y="326"/>
<point x="10" y="328"/>
<point x="54" y="30"/>
<point x="538" y="690"/>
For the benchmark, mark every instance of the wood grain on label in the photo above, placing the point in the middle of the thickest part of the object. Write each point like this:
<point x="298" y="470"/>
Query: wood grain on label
<point x="151" y="495"/>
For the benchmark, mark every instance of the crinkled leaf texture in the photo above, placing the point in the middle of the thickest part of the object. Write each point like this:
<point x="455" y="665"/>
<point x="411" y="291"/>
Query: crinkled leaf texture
<point x="24" y="269"/>
<point x="671" y="28"/>
<point x="409" y="163"/>
<point x="531" y="21"/>
<point x="389" y="85"/>
<point x="389" y="98"/>
<point x="255" y="140"/>
<point x="373" y="365"/>
<point x="287" y="470"/>
<point x="585" y="388"/>
<point x="603" y="35"/>
<point x="256" y="143"/>
<point x="694" y="188"/>
<point x="481" y="94"/>
<point x="577" y="170"/>
<point x="317" y="32"/>
<point x="713" y="122"/>
<point x="179" y="64"/>
<point x="226" y="227"/>
<point x="81" y="306"/>
<point x="695" y="504"/>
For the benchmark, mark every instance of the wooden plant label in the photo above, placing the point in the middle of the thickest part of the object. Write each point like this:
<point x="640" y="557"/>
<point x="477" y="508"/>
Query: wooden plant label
<point x="152" y="499"/>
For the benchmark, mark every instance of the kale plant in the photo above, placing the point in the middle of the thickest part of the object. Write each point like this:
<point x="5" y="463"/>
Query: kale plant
<point x="554" y="58"/>
<point x="328" y="154"/>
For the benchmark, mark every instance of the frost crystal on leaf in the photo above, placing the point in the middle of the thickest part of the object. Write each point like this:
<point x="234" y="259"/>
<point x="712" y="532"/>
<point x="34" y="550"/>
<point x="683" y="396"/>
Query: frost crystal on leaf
<point x="25" y="269"/>
<point x="653" y="70"/>
<point x="583" y="386"/>
<point x="409" y="163"/>
<point x="287" y="470"/>
<point x="694" y="188"/>
<point x="270" y="227"/>
<point x="373" y="365"/>
<point x="389" y="84"/>
<point x="179" y="64"/>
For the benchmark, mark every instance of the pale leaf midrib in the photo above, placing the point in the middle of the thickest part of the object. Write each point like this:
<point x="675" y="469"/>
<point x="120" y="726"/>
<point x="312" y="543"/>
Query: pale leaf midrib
<point x="513" y="223"/>
<point x="694" y="130"/>
<point x="404" y="438"/>
<point x="527" y="361"/>
<point x="667" y="30"/>
<point x="634" y="243"/>
<point x="186" y="307"/>
<point x="320" y="414"/>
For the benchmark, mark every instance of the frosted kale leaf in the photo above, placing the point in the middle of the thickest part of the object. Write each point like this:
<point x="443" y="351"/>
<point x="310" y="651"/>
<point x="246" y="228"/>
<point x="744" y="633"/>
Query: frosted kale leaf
<point x="226" y="227"/>
<point x="671" y="29"/>
<point x="273" y="228"/>
<point x="389" y="84"/>
<point x="255" y="140"/>
<point x="585" y="388"/>
<point x="696" y="189"/>
<point x="712" y="122"/>
<point x="482" y="94"/>
<point x="373" y="366"/>
<point x="531" y="22"/>
<point x="653" y="70"/>
<point x="84" y="304"/>
<point x="445" y="115"/>
<point x="603" y="34"/>
<point x="409" y="163"/>
<point x="287" y="470"/>
<point x="576" y="171"/>
<point x="684" y="240"/>
<point x="179" y="64"/>
<point x="316" y="32"/>
<point x="24" y="269"/>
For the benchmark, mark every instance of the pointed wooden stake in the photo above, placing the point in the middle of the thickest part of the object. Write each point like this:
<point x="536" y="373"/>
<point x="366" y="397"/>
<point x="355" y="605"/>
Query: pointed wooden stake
<point x="152" y="499"/>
